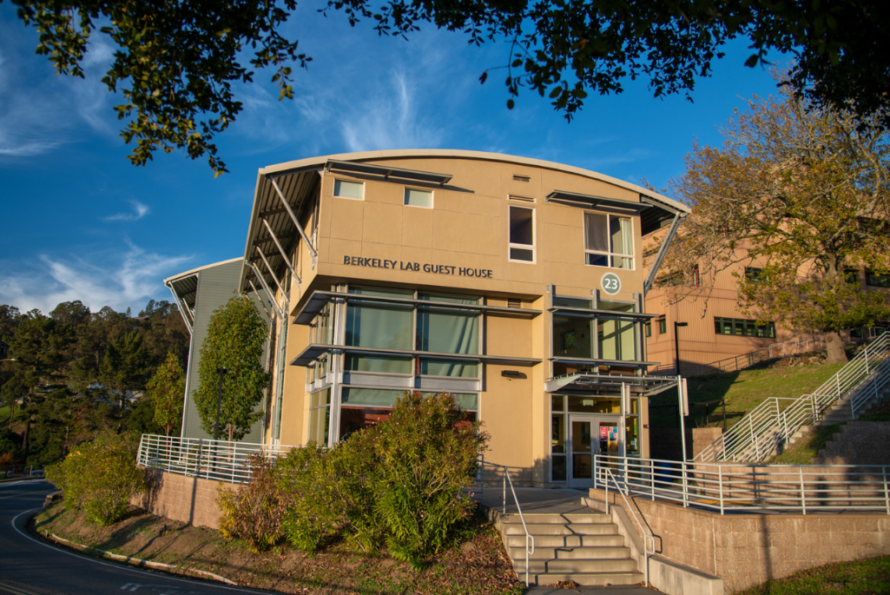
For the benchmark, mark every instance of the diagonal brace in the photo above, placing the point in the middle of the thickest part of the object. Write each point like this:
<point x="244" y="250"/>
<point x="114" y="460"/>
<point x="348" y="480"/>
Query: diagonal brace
<point x="293" y="217"/>
<point x="281" y="250"/>
<point x="256" y="271"/>
<point x="668" y="239"/>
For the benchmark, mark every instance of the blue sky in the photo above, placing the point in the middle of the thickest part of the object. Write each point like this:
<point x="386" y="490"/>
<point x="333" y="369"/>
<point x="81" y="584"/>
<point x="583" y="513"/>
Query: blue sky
<point x="79" y="222"/>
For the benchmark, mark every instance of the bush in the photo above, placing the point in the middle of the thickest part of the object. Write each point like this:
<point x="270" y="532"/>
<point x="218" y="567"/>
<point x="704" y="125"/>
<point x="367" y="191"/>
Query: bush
<point x="427" y="456"/>
<point x="100" y="477"/>
<point x="254" y="512"/>
<point x="399" y="482"/>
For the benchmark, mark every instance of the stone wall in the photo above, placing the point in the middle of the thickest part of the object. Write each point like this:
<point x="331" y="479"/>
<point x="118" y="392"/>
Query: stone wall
<point x="180" y="498"/>
<point x="748" y="549"/>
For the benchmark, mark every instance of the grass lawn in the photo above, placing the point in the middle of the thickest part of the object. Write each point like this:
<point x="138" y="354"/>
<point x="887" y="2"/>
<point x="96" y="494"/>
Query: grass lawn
<point x="861" y="577"/>
<point x="743" y="391"/>
<point x="4" y="413"/>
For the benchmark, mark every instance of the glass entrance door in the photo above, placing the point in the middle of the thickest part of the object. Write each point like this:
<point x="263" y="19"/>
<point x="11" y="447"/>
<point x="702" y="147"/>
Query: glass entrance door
<point x="590" y="435"/>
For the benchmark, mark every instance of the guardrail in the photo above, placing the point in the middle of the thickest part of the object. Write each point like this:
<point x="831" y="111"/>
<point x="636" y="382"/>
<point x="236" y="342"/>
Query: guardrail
<point x="218" y="460"/>
<point x="647" y="534"/>
<point x="728" y="487"/>
<point x="529" y="538"/>
<point x="775" y="420"/>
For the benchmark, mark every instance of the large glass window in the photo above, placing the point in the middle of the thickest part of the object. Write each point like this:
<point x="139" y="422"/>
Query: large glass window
<point x="522" y="234"/>
<point x="744" y="328"/>
<point x="320" y="416"/>
<point x="608" y="241"/>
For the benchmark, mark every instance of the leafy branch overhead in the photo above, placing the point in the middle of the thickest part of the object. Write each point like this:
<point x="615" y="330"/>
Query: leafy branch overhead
<point x="176" y="61"/>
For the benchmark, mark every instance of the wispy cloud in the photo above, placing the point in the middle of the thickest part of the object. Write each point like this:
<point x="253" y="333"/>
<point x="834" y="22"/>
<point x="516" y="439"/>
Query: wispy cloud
<point x="119" y="281"/>
<point x="139" y="211"/>
<point x="39" y="111"/>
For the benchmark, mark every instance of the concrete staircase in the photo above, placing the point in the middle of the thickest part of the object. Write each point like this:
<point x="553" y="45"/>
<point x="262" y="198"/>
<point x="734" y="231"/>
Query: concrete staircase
<point x="837" y="415"/>
<point x="582" y="547"/>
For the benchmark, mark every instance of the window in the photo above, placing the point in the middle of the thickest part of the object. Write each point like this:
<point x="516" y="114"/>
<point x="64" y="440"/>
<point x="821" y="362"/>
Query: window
<point x="608" y="241"/>
<point x="696" y="277"/>
<point x="662" y="326"/>
<point x="851" y="276"/>
<point x="433" y="328"/>
<point x="744" y="328"/>
<point x="522" y="234"/>
<point x="596" y="336"/>
<point x="671" y="279"/>
<point x="418" y="198"/>
<point x="648" y="329"/>
<point x="348" y="189"/>
<point x="754" y="275"/>
<point x="873" y="279"/>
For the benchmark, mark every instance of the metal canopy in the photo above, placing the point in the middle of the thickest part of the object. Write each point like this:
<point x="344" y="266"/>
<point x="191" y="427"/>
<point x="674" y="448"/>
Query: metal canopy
<point x="317" y="301"/>
<point x="654" y="214"/>
<point x="316" y="350"/>
<point x="387" y="173"/>
<point x="586" y="383"/>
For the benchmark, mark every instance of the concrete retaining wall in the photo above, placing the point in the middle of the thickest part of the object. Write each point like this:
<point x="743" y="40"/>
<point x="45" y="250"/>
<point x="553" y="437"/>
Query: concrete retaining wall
<point x="859" y="443"/>
<point x="186" y="499"/>
<point x="748" y="549"/>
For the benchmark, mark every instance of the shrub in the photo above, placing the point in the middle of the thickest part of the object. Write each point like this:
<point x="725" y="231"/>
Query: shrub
<point x="254" y="512"/>
<point x="100" y="477"/>
<point x="426" y="456"/>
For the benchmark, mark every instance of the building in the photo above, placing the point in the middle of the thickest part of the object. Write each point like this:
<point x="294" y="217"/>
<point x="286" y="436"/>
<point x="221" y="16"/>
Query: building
<point x="198" y="293"/>
<point x="713" y="331"/>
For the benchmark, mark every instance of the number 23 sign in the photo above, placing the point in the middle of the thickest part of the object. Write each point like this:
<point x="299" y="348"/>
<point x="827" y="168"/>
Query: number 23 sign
<point x="611" y="283"/>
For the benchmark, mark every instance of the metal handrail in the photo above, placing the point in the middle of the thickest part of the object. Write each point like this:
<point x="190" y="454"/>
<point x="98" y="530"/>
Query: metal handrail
<point x="529" y="538"/>
<point x="766" y="426"/>
<point x="647" y="534"/>
<point x="729" y="487"/>
<point x="217" y="460"/>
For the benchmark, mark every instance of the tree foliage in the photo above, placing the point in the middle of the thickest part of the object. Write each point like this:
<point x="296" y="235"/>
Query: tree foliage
<point x="235" y="338"/>
<point x="67" y="374"/>
<point x="176" y="61"/>
<point x="804" y="190"/>
<point x="166" y="389"/>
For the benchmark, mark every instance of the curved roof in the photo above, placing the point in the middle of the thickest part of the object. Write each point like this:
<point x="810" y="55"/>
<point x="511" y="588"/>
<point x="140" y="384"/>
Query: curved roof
<point x="297" y="179"/>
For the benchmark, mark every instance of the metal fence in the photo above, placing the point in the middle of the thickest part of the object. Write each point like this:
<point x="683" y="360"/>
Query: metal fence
<point x="757" y="435"/>
<point x="731" y="488"/>
<point x="218" y="460"/>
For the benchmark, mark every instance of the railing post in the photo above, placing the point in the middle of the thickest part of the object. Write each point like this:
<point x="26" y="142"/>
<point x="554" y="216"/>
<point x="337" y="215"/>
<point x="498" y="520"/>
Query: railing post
<point x="504" y="510"/>
<point x="803" y="493"/>
<point x="685" y="486"/>
<point x="720" y="480"/>
<point x="886" y="491"/>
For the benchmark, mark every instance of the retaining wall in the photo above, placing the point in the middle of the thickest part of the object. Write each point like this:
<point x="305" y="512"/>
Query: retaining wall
<point x="748" y="549"/>
<point x="859" y="443"/>
<point x="186" y="499"/>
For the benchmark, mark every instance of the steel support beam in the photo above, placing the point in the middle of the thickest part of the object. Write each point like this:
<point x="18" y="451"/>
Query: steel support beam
<point x="260" y="297"/>
<point x="650" y="278"/>
<point x="293" y="217"/>
<point x="256" y="272"/>
<point x="272" y="272"/>
<point x="281" y="250"/>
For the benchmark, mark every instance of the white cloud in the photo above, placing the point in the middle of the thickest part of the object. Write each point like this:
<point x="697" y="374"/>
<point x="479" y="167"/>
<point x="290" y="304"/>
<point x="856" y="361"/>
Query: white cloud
<point x="122" y="281"/>
<point x="139" y="211"/>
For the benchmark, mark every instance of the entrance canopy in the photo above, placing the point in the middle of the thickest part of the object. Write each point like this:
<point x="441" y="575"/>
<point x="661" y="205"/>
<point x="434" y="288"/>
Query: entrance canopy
<point x="586" y="384"/>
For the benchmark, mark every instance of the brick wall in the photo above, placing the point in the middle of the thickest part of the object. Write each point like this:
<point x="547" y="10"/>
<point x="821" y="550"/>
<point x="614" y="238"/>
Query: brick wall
<point x="748" y="549"/>
<point x="186" y="499"/>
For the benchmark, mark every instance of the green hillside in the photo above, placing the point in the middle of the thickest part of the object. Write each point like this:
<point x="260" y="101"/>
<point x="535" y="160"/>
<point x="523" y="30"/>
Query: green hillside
<point x="742" y="391"/>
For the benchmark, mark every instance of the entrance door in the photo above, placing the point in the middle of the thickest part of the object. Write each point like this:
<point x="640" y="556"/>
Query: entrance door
<point x="589" y="435"/>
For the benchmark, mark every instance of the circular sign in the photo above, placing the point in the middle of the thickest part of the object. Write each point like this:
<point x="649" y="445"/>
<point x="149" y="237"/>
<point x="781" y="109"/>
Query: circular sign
<point x="611" y="283"/>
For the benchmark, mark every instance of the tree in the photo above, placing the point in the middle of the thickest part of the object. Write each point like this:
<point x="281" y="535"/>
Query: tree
<point x="235" y="337"/>
<point x="176" y="61"/>
<point x="805" y="190"/>
<point x="166" y="389"/>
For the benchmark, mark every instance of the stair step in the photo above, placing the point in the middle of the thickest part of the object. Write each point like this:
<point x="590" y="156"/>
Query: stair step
<point x="575" y="566"/>
<point x="574" y="553"/>
<point x="565" y="541"/>
<point x="558" y="519"/>
<point x="554" y="529"/>
<point x="589" y="579"/>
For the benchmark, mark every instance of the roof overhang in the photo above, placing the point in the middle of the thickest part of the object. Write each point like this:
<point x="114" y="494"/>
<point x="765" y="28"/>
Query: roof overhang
<point x="646" y="386"/>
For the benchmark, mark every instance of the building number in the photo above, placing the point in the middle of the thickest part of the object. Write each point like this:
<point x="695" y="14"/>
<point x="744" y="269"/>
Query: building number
<point x="611" y="283"/>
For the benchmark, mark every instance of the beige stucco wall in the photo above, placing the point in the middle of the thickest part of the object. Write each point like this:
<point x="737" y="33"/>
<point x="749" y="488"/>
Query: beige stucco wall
<point x="466" y="228"/>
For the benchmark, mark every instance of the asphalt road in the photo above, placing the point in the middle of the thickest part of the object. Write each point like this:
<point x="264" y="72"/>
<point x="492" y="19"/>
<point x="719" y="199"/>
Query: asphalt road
<point x="31" y="567"/>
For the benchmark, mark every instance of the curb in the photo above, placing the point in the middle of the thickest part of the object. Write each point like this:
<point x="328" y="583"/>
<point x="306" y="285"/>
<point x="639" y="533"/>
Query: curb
<point x="140" y="561"/>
